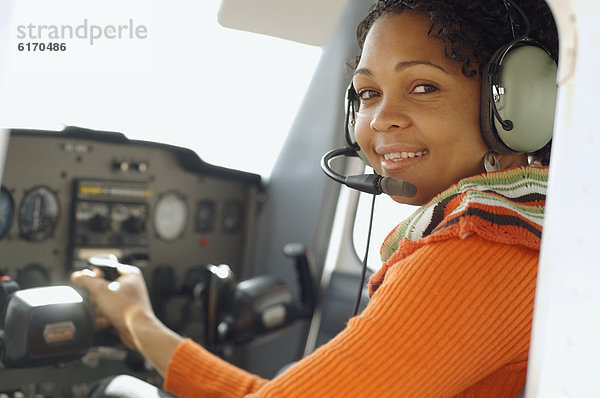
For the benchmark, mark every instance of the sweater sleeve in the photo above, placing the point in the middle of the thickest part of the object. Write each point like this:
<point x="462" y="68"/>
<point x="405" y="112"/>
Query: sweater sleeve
<point x="446" y="317"/>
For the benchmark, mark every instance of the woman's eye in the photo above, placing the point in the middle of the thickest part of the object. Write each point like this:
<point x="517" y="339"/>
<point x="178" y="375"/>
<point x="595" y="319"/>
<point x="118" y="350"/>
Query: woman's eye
<point x="365" y="95"/>
<point x="424" y="89"/>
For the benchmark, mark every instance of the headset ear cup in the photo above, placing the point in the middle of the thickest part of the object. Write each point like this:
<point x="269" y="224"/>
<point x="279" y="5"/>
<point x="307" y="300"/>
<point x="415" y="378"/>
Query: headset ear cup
<point x="526" y="96"/>
<point x="486" y="116"/>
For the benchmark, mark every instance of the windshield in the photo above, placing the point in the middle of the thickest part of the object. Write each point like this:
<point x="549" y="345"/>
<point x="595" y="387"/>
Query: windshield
<point x="387" y="214"/>
<point x="230" y="96"/>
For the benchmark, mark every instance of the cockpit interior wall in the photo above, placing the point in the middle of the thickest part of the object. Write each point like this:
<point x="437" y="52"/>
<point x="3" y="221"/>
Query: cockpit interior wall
<point x="301" y="199"/>
<point x="77" y="193"/>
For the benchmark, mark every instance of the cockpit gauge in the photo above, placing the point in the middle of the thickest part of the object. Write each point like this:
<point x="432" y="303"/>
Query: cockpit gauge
<point x="7" y="211"/>
<point x="170" y="216"/>
<point x="38" y="214"/>
<point x="205" y="215"/>
<point x="233" y="211"/>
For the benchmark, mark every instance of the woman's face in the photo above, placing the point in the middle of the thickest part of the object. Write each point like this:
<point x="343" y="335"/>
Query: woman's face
<point x="419" y="115"/>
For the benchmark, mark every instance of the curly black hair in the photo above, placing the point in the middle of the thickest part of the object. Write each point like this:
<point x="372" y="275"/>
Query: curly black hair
<point x="472" y="31"/>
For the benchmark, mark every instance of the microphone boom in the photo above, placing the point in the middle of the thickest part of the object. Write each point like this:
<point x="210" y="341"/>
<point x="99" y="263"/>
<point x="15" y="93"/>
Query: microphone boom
<point x="369" y="183"/>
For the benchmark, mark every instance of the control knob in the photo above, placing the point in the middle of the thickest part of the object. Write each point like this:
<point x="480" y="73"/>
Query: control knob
<point x="99" y="223"/>
<point x="134" y="225"/>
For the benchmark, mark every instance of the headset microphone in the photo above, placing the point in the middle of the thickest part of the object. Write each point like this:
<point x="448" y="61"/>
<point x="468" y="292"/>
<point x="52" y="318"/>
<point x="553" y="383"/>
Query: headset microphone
<point x="370" y="183"/>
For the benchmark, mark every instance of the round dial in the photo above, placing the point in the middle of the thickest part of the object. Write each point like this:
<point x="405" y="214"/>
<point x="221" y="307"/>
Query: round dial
<point x="38" y="214"/>
<point x="7" y="210"/>
<point x="170" y="216"/>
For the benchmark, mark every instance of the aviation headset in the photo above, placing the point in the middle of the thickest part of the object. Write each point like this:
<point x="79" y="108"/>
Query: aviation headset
<point x="518" y="96"/>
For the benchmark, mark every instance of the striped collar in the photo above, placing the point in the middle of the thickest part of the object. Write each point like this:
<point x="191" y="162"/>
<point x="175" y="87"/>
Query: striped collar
<point x="506" y="206"/>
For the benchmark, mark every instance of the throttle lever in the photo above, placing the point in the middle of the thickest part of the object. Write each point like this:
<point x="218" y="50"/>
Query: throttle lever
<point x="108" y="264"/>
<point x="304" y="271"/>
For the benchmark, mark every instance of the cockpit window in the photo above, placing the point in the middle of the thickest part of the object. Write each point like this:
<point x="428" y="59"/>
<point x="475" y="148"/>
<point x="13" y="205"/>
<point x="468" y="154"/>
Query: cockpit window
<point x="386" y="216"/>
<point x="229" y="95"/>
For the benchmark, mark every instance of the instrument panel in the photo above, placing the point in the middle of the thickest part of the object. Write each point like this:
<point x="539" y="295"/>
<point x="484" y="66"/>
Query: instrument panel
<point x="73" y="194"/>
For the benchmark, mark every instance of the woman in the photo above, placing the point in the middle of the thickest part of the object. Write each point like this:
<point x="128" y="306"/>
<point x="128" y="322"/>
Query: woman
<point x="451" y="309"/>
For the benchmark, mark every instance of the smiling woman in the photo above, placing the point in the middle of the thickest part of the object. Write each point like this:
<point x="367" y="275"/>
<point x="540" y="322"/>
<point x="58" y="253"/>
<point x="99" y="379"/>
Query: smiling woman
<point x="419" y="117"/>
<point x="451" y="308"/>
<point x="417" y="102"/>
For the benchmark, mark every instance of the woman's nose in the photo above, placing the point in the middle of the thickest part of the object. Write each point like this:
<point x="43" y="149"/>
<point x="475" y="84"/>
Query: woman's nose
<point x="389" y="116"/>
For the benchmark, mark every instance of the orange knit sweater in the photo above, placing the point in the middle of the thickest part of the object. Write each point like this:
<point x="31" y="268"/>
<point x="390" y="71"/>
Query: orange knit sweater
<point x="451" y="317"/>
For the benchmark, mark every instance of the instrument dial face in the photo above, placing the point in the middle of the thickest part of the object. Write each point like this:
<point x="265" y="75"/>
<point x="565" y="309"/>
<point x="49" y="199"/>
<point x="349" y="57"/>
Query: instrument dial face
<point x="170" y="216"/>
<point x="7" y="211"/>
<point x="205" y="216"/>
<point x="38" y="214"/>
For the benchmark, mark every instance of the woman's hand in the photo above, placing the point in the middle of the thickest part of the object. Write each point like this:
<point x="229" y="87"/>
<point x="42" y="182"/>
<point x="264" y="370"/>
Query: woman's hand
<point x="119" y="302"/>
<point x="125" y="304"/>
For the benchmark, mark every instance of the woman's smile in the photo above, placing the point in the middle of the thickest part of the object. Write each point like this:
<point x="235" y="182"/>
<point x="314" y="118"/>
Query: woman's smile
<point x="394" y="158"/>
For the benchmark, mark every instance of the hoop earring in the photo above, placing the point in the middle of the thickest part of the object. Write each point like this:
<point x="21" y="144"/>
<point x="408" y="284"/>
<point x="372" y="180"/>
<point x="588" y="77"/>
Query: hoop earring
<point x="489" y="167"/>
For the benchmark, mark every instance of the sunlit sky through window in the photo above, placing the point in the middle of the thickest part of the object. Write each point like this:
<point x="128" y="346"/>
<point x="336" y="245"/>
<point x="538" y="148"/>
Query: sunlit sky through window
<point x="230" y="96"/>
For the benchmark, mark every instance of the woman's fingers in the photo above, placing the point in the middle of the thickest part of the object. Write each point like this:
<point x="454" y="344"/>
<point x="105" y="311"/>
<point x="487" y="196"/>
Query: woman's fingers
<point x="90" y="279"/>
